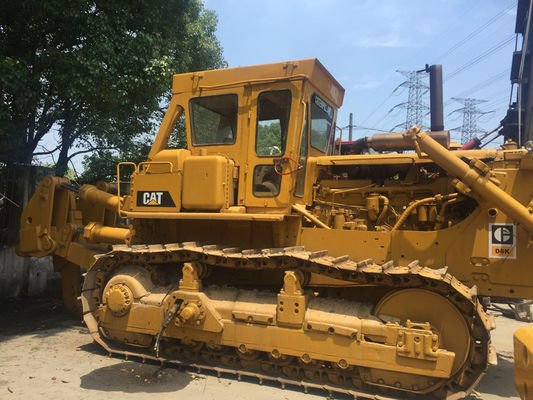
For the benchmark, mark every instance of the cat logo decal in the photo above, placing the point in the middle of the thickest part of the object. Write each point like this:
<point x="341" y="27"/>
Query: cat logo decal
<point x="154" y="198"/>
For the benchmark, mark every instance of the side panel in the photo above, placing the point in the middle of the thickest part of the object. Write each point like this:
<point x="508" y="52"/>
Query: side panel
<point x="463" y="248"/>
<point x="243" y="234"/>
<point x="155" y="192"/>
<point x="359" y="245"/>
<point x="207" y="183"/>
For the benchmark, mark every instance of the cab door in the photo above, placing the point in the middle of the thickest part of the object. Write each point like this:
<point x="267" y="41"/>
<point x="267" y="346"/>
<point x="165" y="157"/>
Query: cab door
<point x="272" y="151"/>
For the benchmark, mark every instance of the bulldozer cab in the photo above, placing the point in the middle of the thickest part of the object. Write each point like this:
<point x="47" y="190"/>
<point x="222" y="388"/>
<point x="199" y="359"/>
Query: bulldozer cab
<point x="250" y="130"/>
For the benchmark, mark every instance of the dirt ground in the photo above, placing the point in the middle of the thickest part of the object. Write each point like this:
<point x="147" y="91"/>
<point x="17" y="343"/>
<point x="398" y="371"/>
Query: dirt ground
<point x="45" y="353"/>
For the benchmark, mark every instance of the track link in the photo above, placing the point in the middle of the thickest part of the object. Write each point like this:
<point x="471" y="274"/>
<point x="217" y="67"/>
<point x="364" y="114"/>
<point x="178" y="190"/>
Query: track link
<point x="412" y="275"/>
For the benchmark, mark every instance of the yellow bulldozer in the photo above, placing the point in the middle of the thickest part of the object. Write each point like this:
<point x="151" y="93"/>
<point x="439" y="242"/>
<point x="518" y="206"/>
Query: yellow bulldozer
<point x="263" y="250"/>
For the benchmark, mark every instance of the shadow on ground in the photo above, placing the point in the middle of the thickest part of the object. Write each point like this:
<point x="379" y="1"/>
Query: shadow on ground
<point x="133" y="377"/>
<point x="42" y="316"/>
<point x="499" y="381"/>
<point x="94" y="348"/>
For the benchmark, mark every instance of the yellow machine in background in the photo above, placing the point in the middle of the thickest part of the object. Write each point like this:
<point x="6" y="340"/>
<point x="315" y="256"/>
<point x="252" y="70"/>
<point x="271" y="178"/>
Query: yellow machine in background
<point x="260" y="251"/>
<point x="523" y="361"/>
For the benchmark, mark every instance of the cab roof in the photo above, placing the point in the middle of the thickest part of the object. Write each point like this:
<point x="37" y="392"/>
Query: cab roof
<point x="310" y="69"/>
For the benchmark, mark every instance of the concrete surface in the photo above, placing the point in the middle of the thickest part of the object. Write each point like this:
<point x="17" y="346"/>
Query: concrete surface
<point x="45" y="353"/>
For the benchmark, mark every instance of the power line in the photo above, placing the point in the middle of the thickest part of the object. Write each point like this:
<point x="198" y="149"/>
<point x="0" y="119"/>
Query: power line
<point x="481" y="57"/>
<point x="369" y="129"/>
<point x="445" y="33"/>
<point x="482" y="85"/>
<point x="495" y="98"/>
<point x="473" y="34"/>
<point x="378" y="107"/>
<point x="497" y="101"/>
<point x="389" y="116"/>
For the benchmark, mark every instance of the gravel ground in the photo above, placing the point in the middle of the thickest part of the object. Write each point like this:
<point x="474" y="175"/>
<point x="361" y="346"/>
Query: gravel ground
<point x="45" y="353"/>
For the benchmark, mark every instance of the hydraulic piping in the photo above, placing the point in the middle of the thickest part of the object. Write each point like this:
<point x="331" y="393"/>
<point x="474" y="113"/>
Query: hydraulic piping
<point x="417" y="203"/>
<point x="298" y="208"/>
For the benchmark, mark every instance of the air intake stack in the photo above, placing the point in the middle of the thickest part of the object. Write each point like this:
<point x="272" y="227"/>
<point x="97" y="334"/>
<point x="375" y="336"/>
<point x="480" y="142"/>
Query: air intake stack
<point x="435" y="97"/>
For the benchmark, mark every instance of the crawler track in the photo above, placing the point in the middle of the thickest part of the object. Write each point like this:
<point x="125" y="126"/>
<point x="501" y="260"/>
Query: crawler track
<point x="296" y="258"/>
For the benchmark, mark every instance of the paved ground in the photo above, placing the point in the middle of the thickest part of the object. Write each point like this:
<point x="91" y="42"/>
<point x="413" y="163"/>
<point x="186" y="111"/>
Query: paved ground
<point x="44" y="353"/>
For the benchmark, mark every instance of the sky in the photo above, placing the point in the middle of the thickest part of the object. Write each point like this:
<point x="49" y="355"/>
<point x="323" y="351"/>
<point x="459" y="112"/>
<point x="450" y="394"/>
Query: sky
<point x="363" y="43"/>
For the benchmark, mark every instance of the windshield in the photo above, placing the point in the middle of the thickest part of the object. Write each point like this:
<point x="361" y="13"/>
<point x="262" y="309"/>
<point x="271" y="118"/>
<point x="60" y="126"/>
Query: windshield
<point x="321" y="122"/>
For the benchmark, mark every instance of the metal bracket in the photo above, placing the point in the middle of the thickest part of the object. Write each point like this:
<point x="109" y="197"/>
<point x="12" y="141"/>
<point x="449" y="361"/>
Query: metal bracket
<point x="462" y="187"/>
<point x="292" y="303"/>
<point x="479" y="166"/>
<point x="190" y="280"/>
<point x="415" y="343"/>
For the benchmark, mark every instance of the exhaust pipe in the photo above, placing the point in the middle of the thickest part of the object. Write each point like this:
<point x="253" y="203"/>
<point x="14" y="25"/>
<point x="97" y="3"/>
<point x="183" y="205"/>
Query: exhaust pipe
<point x="435" y="97"/>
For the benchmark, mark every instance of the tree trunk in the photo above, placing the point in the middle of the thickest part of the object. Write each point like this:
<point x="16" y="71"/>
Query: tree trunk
<point x="62" y="160"/>
<point x="67" y="138"/>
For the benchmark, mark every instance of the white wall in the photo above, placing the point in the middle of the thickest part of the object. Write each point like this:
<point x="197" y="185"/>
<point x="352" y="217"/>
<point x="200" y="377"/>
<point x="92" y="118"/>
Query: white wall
<point x="26" y="275"/>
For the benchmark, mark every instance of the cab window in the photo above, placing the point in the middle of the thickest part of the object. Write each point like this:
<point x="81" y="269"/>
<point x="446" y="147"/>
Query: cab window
<point x="214" y="119"/>
<point x="321" y="122"/>
<point x="273" y="113"/>
<point x="267" y="181"/>
<point x="178" y="137"/>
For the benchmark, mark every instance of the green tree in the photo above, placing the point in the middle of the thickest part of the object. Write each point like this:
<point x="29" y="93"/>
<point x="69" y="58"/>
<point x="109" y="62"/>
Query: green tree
<point x="98" y="72"/>
<point x="101" y="165"/>
<point x="269" y="139"/>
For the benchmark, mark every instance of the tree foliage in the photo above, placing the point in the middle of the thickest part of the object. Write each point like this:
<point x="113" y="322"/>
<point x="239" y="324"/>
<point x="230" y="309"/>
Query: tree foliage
<point x="97" y="72"/>
<point x="101" y="165"/>
<point x="269" y="139"/>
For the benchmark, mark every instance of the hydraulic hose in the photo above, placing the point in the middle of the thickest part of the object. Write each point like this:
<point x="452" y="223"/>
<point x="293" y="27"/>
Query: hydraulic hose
<point x="413" y="205"/>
